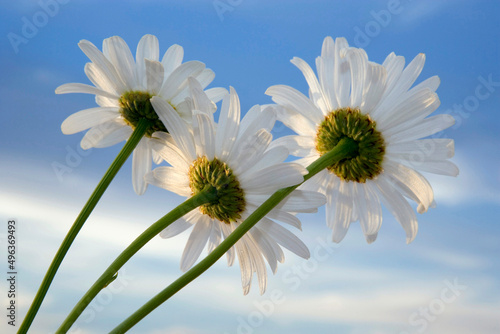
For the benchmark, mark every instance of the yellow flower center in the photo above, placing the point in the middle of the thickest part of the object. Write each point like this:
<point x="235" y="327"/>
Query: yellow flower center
<point x="231" y="200"/>
<point x="135" y="105"/>
<point x="351" y="123"/>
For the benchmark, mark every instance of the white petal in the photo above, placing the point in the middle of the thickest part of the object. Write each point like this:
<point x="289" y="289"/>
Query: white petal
<point x="299" y="146"/>
<point x="148" y="48"/>
<point x="369" y="209"/>
<point x="399" y="207"/>
<point x="394" y="65"/>
<point x="270" y="157"/>
<point x="416" y="184"/>
<point x="157" y="159"/>
<point x="332" y="189"/>
<point x="318" y="181"/>
<point x="427" y="127"/>
<point x="106" y="102"/>
<point x="196" y="242"/>
<point x="257" y="262"/>
<point x="228" y="126"/>
<point x="431" y="83"/>
<point x="204" y="136"/>
<point x="250" y="152"/>
<point x="226" y="230"/>
<point x="416" y="106"/>
<point x="106" y="134"/>
<point x="253" y="123"/>
<point x="343" y="211"/>
<point x="177" y="81"/>
<point x="154" y="75"/>
<point x="253" y="114"/>
<point x="85" y="89"/>
<point x="177" y="227"/>
<point x="172" y="58"/>
<point x="291" y="98"/>
<point x="285" y="217"/>
<point x="301" y="200"/>
<point x="341" y="73"/>
<point x="326" y="67"/>
<point x="164" y="136"/>
<point x="118" y="52"/>
<point x="295" y="121"/>
<point x="141" y="165"/>
<point x="357" y="63"/>
<point x="185" y="109"/>
<point x="404" y="82"/>
<point x="312" y="81"/>
<point x="97" y="76"/>
<point x="439" y="167"/>
<point x="200" y="99"/>
<point x="215" y="236"/>
<point x="216" y="94"/>
<point x="273" y="178"/>
<point x="418" y="151"/>
<point x="375" y="84"/>
<point x="371" y="238"/>
<point x="205" y="77"/>
<point x="171" y="179"/>
<point x="103" y="64"/>
<point x="170" y="153"/>
<point x="245" y="265"/>
<point x="411" y="72"/>
<point x="88" y="118"/>
<point x="265" y="247"/>
<point x="284" y="237"/>
<point x="176" y="126"/>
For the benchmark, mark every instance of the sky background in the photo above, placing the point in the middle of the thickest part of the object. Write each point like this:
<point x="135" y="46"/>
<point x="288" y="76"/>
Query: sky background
<point x="446" y="281"/>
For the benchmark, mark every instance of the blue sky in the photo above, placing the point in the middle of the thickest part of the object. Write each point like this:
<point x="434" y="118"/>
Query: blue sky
<point x="446" y="281"/>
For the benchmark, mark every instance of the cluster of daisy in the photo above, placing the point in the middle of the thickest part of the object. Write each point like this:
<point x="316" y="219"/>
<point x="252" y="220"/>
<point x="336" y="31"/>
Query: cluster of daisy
<point x="375" y="105"/>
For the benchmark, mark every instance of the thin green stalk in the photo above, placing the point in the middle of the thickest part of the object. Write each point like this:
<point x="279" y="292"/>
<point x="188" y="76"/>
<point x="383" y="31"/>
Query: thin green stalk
<point x="346" y="148"/>
<point x="125" y="152"/>
<point x="207" y="195"/>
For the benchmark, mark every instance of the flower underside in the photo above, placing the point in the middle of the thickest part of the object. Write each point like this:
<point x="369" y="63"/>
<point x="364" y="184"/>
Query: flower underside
<point x="351" y="123"/>
<point x="230" y="202"/>
<point x="135" y="105"/>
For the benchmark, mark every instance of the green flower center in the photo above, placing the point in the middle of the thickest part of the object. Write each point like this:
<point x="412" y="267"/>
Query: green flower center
<point x="231" y="200"/>
<point x="351" y="123"/>
<point x="135" y="106"/>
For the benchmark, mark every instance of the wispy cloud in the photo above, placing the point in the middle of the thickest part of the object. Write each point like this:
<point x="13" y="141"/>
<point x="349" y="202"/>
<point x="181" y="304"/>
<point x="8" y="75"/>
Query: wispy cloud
<point x="417" y="11"/>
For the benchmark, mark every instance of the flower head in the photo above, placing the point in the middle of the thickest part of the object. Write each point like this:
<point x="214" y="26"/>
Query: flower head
<point x="237" y="160"/>
<point x="376" y="106"/>
<point x="123" y="88"/>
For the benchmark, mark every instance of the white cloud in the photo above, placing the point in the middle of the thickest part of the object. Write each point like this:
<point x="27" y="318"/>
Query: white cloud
<point x="415" y="12"/>
<point x="354" y="295"/>
<point x="456" y="259"/>
<point x="470" y="186"/>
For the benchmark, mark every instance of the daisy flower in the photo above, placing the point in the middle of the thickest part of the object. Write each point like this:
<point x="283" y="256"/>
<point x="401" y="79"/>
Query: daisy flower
<point x="123" y="89"/>
<point x="376" y="106"/>
<point x="233" y="157"/>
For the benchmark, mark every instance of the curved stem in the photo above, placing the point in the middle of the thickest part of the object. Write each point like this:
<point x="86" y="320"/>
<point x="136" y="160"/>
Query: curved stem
<point x="346" y="148"/>
<point x="207" y="195"/>
<point x="125" y="152"/>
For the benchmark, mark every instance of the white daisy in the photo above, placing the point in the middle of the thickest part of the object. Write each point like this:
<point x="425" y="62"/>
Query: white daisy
<point x="376" y="106"/>
<point x="123" y="88"/>
<point x="233" y="157"/>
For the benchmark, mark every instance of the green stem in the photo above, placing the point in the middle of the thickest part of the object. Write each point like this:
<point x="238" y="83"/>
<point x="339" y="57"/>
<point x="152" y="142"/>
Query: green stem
<point x="207" y="195"/>
<point x="127" y="149"/>
<point x="346" y="148"/>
